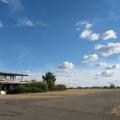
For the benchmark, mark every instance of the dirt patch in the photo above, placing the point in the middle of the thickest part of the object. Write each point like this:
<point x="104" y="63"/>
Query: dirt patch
<point x="116" y="111"/>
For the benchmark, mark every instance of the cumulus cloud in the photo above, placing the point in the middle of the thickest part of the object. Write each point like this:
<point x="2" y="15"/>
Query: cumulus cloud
<point x="105" y="73"/>
<point x="109" y="70"/>
<point x="85" y="34"/>
<point x="90" y="58"/>
<point x="109" y="49"/>
<point x="101" y="64"/>
<point x="110" y="34"/>
<point x="114" y="66"/>
<point x="74" y="78"/>
<point x="66" y="65"/>
<point x="85" y="24"/>
<point x="86" y="77"/>
<point x="108" y="66"/>
<point x="88" y="34"/>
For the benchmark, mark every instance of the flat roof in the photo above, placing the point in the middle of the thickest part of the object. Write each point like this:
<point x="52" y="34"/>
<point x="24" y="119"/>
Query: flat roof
<point x="12" y="74"/>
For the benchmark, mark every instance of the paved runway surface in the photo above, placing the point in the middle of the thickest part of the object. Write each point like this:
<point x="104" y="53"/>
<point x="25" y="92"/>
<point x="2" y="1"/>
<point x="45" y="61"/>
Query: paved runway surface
<point x="89" y="107"/>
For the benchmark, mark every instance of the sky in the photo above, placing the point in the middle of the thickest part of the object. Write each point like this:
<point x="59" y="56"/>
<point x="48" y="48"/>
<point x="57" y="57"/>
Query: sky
<point x="77" y="40"/>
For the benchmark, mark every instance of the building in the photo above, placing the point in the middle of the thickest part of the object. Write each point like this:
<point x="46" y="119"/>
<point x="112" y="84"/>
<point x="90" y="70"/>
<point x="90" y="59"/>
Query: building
<point x="11" y="80"/>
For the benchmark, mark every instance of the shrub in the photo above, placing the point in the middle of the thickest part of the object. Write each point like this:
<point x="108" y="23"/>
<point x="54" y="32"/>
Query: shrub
<point x="29" y="88"/>
<point x="60" y="87"/>
<point x="112" y="86"/>
<point x="34" y="87"/>
<point x="105" y="87"/>
<point x="44" y="86"/>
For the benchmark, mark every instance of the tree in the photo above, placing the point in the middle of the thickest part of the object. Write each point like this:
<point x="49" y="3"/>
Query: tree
<point x="50" y="79"/>
<point x="112" y="86"/>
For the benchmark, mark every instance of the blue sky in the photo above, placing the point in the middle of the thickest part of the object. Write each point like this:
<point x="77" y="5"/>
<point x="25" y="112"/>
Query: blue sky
<point x="72" y="38"/>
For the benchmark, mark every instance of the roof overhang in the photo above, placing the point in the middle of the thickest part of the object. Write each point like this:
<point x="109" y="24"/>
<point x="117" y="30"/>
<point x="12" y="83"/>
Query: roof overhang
<point x="12" y="74"/>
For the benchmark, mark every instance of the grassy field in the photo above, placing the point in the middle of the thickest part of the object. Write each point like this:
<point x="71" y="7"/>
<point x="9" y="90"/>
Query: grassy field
<point x="46" y="95"/>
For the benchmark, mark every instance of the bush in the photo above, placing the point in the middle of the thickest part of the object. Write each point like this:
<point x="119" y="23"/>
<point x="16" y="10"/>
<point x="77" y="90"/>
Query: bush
<point x="112" y="86"/>
<point x="44" y="86"/>
<point x="28" y="89"/>
<point x="105" y="87"/>
<point x="34" y="87"/>
<point x="60" y="87"/>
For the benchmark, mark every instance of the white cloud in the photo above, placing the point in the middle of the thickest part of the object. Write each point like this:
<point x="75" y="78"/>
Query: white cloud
<point x="101" y="64"/>
<point x="4" y="1"/>
<point x="1" y="25"/>
<point x="90" y="58"/>
<point x="27" y="23"/>
<point x="110" y="34"/>
<point x="86" y="77"/>
<point x="66" y="65"/>
<point x="104" y="65"/>
<point x="30" y="23"/>
<point x="108" y="66"/>
<point x="88" y="25"/>
<point x="85" y="34"/>
<point x="42" y="24"/>
<point x="109" y="70"/>
<point x="74" y="77"/>
<point x="88" y="34"/>
<point x="94" y="36"/>
<point x="85" y="24"/>
<point x="77" y="77"/>
<point x="114" y="66"/>
<point x="15" y="5"/>
<point x="77" y="29"/>
<point x="109" y="49"/>
<point x="105" y="73"/>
